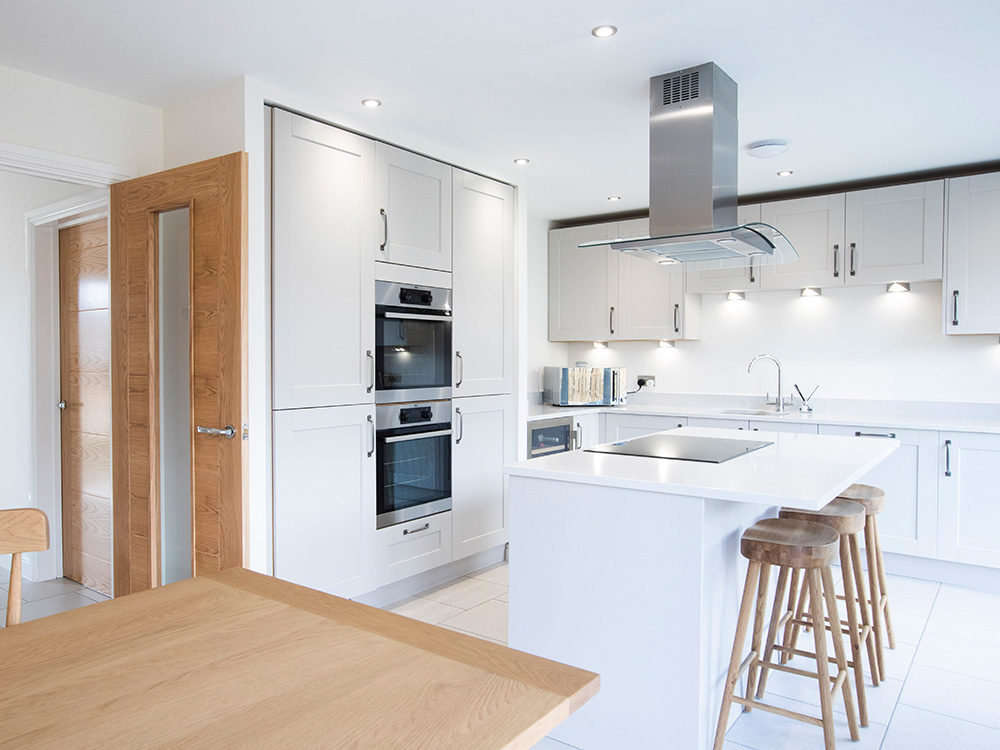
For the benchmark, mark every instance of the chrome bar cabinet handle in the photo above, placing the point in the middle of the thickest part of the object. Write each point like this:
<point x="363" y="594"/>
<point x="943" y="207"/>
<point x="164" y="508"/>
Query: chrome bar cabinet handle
<point x="836" y="261"/>
<point x="853" y="253"/>
<point x="611" y="320"/>
<point x="461" y="369"/>
<point x="385" y="229"/>
<point x="418" y="529"/>
<point x="371" y="427"/>
<point x="461" y="426"/>
<point x="947" y="458"/>
<point x="677" y="312"/>
<point x="371" y="378"/>
<point x="890" y="435"/>
<point x="954" y="302"/>
<point x="578" y="435"/>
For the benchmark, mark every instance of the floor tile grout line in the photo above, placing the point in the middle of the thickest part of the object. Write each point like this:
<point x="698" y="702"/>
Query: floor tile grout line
<point x="950" y="716"/>
<point x="957" y="674"/>
<point x="899" y="697"/>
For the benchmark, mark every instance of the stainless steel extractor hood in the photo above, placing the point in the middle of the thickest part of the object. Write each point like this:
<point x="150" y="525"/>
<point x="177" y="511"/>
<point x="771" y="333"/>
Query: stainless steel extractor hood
<point x="692" y="178"/>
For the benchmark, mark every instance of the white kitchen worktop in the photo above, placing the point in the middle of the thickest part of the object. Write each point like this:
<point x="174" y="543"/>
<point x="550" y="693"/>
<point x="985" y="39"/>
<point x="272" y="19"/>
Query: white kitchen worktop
<point x="799" y="469"/>
<point x="891" y="415"/>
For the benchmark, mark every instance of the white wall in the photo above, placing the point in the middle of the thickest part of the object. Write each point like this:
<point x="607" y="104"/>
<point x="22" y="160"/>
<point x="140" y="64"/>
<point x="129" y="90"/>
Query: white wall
<point x="853" y="342"/>
<point x="19" y="194"/>
<point x="540" y="351"/>
<point x="47" y="114"/>
<point x="207" y="125"/>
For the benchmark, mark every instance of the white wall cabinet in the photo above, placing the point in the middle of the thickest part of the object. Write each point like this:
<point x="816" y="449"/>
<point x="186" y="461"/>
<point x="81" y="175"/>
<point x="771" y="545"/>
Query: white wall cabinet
<point x="483" y="283"/>
<point x="815" y="227"/>
<point x="741" y="278"/>
<point x="414" y="208"/>
<point x="968" y="511"/>
<point x="600" y="294"/>
<point x="972" y="268"/>
<point x="908" y="523"/>
<point x="324" y="497"/>
<point x="895" y="233"/>
<point x="482" y="442"/>
<point x="322" y="269"/>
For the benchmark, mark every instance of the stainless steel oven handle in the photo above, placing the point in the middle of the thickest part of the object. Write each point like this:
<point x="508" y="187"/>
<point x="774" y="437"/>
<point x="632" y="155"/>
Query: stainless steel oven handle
<point x="371" y="426"/>
<point x="417" y="316"/>
<point x="416" y="436"/>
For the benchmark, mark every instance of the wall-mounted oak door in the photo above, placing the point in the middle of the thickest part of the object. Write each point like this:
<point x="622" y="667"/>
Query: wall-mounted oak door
<point x="85" y="417"/>
<point x="213" y="193"/>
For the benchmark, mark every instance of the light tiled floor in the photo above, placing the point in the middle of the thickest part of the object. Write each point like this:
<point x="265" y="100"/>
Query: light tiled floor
<point x="942" y="689"/>
<point x="44" y="598"/>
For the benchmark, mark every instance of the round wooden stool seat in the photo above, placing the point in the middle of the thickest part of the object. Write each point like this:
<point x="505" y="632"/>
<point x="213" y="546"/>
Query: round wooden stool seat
<point x="843" y="516"/>
<point x="872" y="498"/>
<point x="790" y="542"/>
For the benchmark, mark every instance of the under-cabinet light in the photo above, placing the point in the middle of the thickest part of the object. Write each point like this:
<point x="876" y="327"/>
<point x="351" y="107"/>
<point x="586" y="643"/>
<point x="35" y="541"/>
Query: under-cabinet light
<point x="898" y="286"/>
<point x="811" y="291"/>
<point x="664" y="344"/>
<point x="600" y="344"/>
<point x="736" y="295"/>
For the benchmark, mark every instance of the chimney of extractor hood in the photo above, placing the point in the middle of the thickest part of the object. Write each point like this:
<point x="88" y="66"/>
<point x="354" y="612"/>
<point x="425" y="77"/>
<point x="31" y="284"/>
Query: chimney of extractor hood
<point x="693" y="136"/>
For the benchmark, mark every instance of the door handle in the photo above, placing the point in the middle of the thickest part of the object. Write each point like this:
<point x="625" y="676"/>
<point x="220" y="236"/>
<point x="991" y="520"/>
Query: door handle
<point x="611" y="320"/>
<point x="954" y="314"/>
<point x="677" y="311"/>
<point x="228" y="432"/>
<point x="461" y="426"/>
<point x="854" y="248"/>
<point x="947" y="458"/>
<point x="836" y="261"/>
<point x="461" y="369"/>
<point x="371" y="427"/>
<point x="62" y="405"/>
<point x="385" y="230"/>
<point x="371" y="379"/>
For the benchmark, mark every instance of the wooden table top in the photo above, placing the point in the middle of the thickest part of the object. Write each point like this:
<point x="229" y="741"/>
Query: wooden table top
<point x="238" y="659"/>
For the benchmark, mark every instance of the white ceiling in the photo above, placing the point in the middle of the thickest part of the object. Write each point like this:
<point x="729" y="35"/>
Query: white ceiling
<point x="860" y="88"/>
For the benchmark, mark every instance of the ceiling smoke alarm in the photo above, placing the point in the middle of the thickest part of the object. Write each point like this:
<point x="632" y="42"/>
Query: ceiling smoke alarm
<point x="767" y="149"/>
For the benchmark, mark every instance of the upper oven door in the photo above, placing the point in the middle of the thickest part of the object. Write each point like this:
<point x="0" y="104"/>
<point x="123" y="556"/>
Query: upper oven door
<point x="412" y="355"/>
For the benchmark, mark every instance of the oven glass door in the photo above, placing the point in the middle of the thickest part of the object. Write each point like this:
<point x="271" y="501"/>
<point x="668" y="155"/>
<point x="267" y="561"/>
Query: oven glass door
<point x="413" y="355"/>
<point x="414" y="466"/>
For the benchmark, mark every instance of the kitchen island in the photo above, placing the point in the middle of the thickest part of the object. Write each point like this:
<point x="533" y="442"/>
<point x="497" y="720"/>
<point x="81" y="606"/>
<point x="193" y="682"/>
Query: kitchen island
<point x="630" y="567"/>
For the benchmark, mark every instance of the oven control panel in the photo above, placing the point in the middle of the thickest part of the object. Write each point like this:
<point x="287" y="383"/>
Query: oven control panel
<point x="415" y="415"/>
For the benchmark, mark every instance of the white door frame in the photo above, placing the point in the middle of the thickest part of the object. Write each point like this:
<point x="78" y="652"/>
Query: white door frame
<point x="41" y="256"/>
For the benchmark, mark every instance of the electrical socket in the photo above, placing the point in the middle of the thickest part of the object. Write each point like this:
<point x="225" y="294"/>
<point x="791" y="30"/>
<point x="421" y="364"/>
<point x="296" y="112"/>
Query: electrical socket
<point x="647" y="381"/>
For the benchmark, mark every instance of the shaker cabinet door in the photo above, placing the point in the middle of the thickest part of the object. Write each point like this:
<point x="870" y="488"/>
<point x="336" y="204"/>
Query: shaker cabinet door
<point x="815" y="227"/>
<point x="968" y="511"/>
<point x="483" y="286"/>
<point x="414" y="209"/>
<point x="972" y="260"/>
<point x="583" y="284"/>
<point x="322" y="271"/>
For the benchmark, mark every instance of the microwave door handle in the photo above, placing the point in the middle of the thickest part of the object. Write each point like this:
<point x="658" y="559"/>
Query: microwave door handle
<point x="417" y="316"/>
<point x="417" y="436"/>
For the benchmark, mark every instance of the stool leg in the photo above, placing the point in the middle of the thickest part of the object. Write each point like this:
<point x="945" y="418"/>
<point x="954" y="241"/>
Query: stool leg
<point x="875" y="592"/>
<point x="822" y="666"/>
<point x="859" y="580"/>
<point x="830" y="592"/>
<point x="881" y="585"/>
<point x="852" y="625"/>
<point x="758" y="627"/>
<point x="733" y="676"/>
<point x="793" y="591"/>
<point x="772" y="629"/>
<point x="800" y="610"/>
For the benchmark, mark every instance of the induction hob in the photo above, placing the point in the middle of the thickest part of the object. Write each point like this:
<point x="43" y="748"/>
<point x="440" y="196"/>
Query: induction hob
<point x="710" y="450"/>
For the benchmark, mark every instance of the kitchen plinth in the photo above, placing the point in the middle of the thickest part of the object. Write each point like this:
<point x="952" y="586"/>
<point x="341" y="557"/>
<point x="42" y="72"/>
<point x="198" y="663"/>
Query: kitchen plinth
<point x="629" y="566"/>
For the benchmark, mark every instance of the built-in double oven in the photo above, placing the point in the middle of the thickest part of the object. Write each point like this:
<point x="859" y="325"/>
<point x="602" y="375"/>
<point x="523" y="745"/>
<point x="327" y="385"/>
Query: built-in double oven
<point x="413" y="401"/>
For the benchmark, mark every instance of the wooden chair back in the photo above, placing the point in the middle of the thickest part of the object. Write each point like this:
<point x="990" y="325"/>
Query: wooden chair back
<point x="21" y="530"/>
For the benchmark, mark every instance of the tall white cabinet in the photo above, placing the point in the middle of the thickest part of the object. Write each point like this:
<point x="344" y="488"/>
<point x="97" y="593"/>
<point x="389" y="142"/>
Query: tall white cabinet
<point x="972" y="273"/>
<point x="483" y="283"/>
<point x="323" y="330"/>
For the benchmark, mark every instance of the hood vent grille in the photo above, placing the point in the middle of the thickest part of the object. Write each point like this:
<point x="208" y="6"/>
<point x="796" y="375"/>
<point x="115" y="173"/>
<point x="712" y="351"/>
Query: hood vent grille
<point x="680" y="88"/>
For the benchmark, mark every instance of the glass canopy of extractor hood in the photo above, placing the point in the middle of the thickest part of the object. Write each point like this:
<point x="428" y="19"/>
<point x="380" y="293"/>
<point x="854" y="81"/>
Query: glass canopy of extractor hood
<point x="719" y="248"/>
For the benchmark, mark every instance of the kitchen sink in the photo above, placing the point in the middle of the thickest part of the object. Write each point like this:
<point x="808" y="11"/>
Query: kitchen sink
<point x="754" y="412"/>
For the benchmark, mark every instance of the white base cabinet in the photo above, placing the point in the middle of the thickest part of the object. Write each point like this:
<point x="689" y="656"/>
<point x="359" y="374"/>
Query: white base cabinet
<point x="626" y="426"/>
<point x="482" y="442"/>
<point x="588" y="430"/>
<point x="908" y="523"/>
<point x="324" y="497"/>
<point x="968" y="507"/>
<point x="406" y="549"/>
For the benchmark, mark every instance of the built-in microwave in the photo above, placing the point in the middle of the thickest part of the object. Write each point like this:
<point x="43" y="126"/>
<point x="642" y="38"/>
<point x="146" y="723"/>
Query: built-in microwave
<point x="412" y="343"/>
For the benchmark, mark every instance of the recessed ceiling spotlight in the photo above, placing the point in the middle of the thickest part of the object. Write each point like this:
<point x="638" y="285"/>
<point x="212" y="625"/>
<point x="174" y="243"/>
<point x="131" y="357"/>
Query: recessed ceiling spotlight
<point x="521" y="161"/>
<point x="785" y="173"/>
<point x="811" y="291"/>
<point x="604" y="31"/>
<point x="898" y="286"/>
<point x="371" y="103"/>
<point x="767" y="149"/>
<point x="614" y="198"/>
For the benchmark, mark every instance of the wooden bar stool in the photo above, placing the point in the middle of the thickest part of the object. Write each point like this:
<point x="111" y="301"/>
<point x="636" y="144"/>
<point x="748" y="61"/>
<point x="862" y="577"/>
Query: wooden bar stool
<point x="797" y="546"/>
<point x="873" y="499"/>
<point x="847" y="518"/>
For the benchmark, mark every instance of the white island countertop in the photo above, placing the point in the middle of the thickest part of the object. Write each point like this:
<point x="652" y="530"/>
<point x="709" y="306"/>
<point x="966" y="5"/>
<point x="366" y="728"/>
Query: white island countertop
<point x="803" y="470"/>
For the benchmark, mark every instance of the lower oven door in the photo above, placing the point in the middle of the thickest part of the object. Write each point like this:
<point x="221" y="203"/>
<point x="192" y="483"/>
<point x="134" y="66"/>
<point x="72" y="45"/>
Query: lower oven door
<point x="414" y="466"/>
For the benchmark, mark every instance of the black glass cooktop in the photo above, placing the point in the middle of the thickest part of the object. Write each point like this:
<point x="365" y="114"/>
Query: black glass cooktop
<point x="709" y="450"/>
